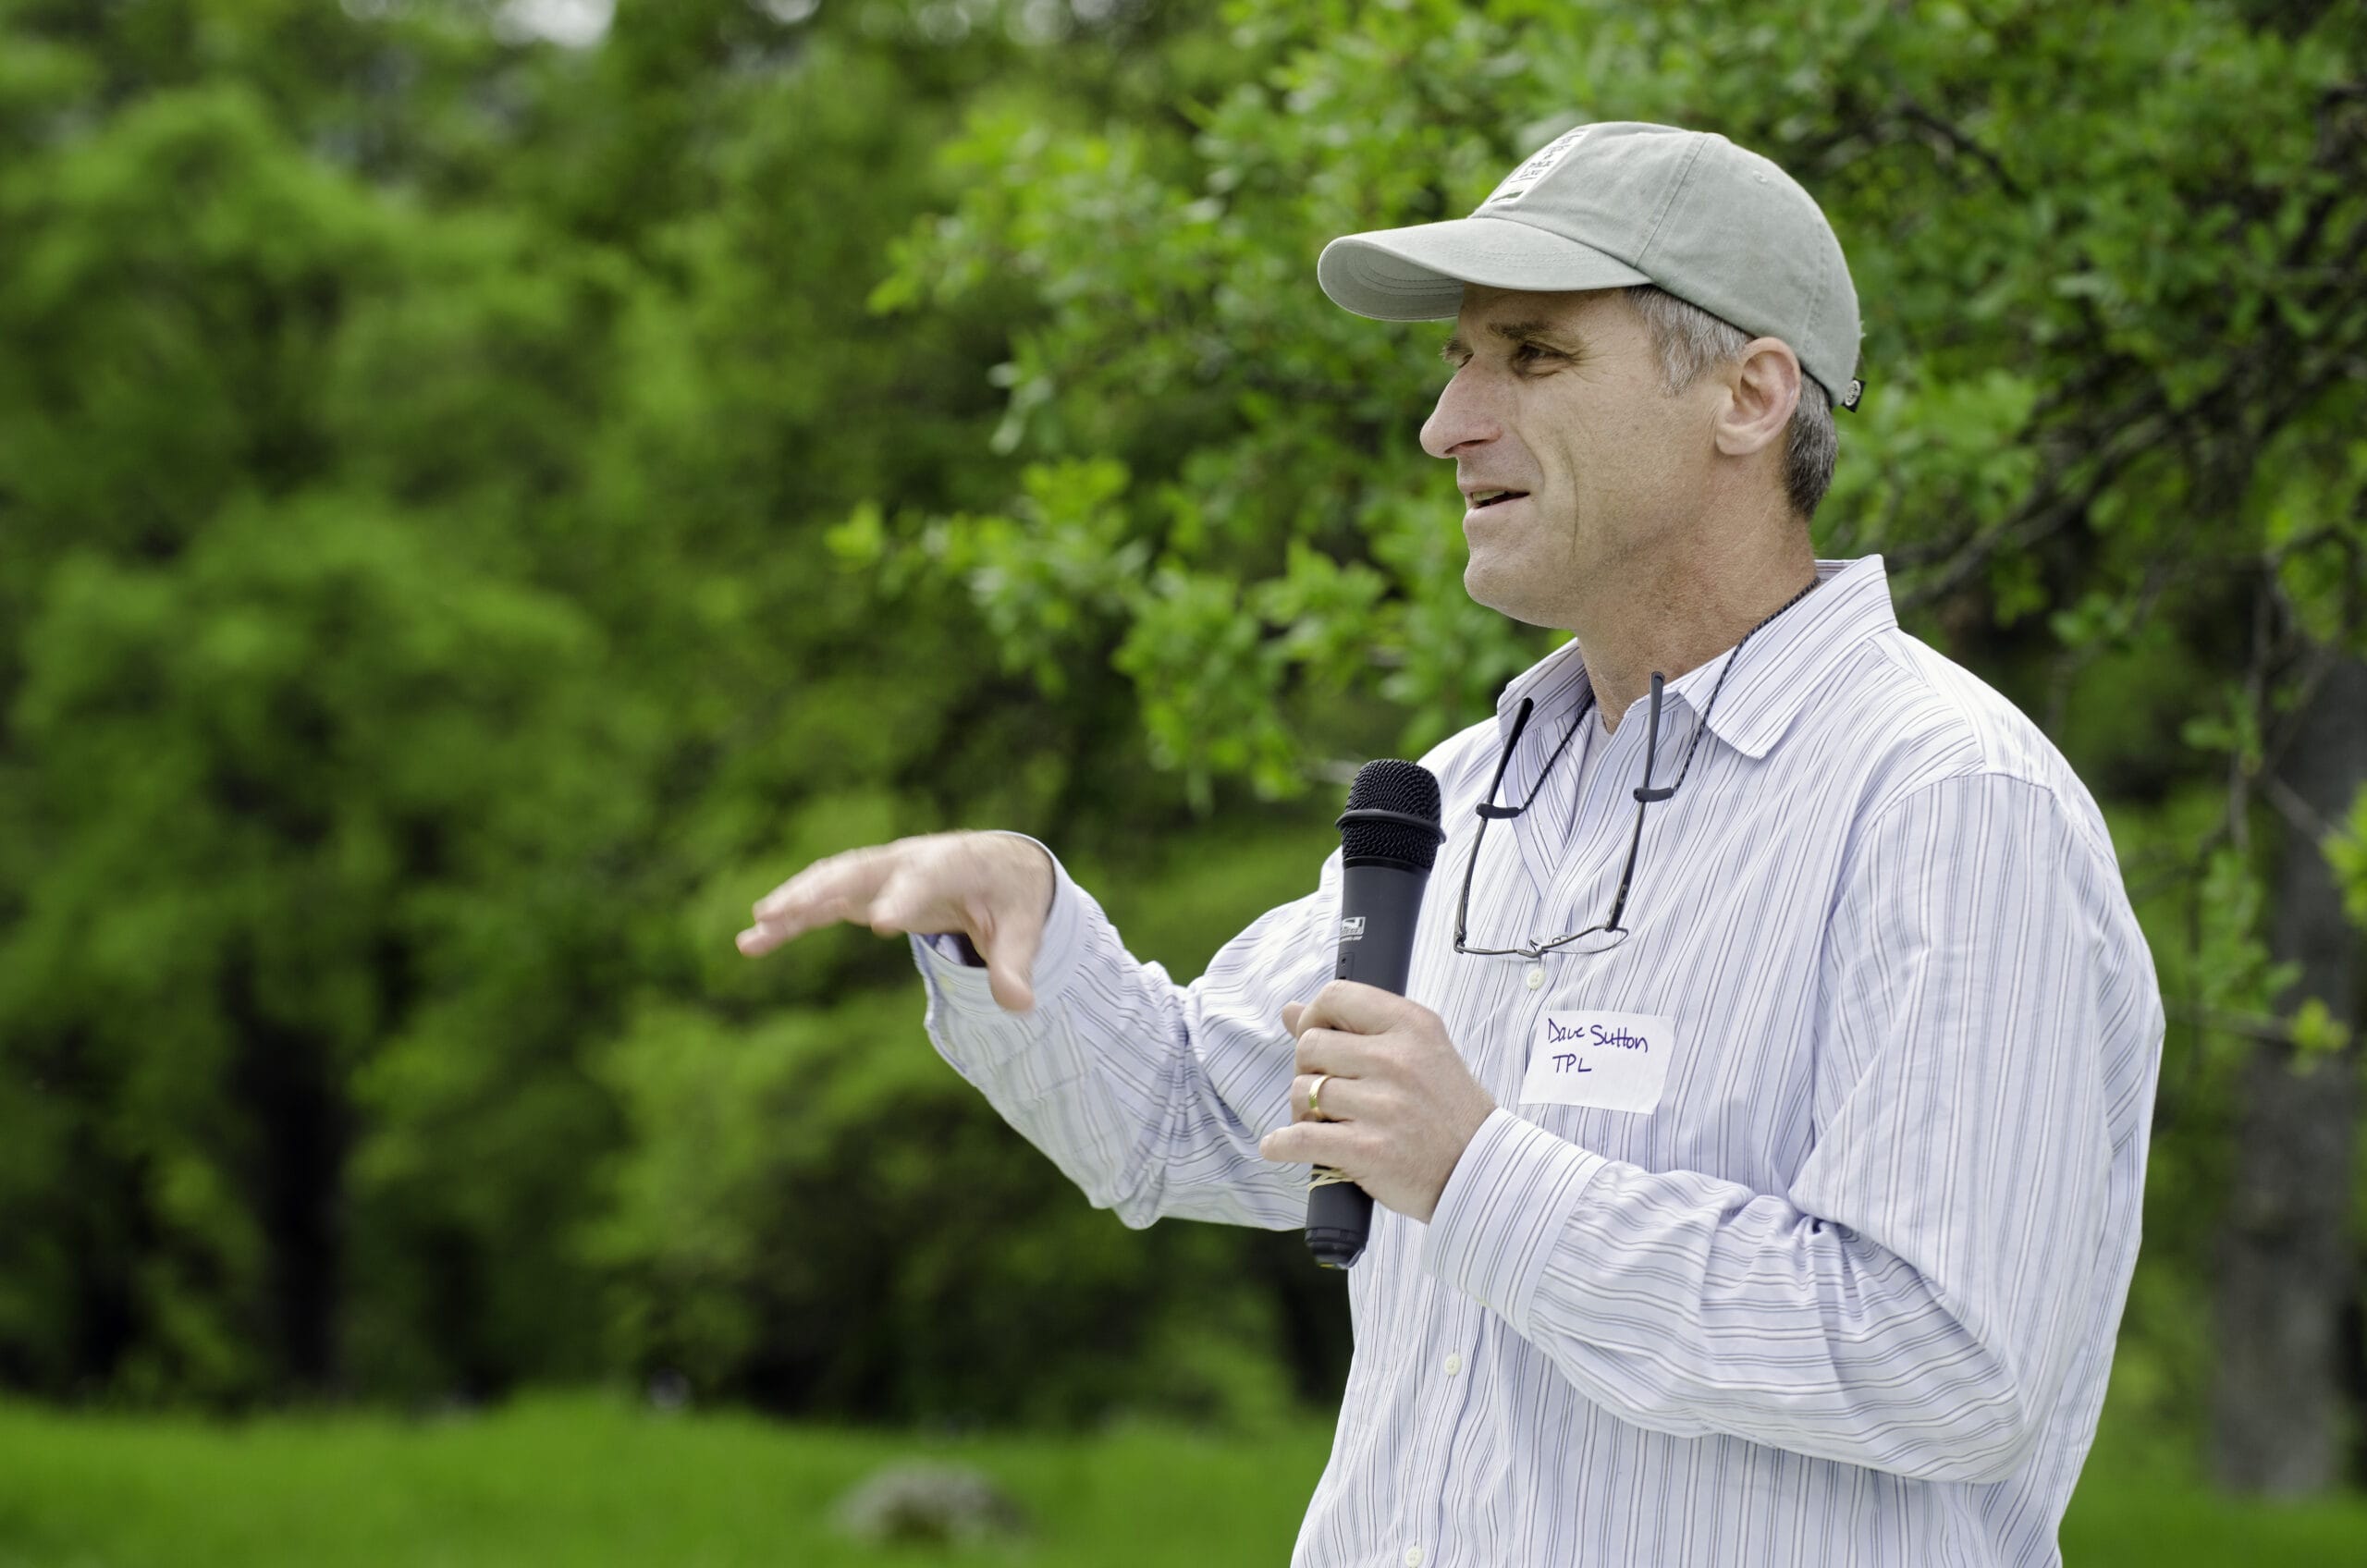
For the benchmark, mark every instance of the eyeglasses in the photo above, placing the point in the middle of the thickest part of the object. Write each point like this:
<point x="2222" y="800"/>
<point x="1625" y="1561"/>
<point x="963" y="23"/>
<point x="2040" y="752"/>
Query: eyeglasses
<point x="1646" y="795"/>
<point x="1490" y="811"/>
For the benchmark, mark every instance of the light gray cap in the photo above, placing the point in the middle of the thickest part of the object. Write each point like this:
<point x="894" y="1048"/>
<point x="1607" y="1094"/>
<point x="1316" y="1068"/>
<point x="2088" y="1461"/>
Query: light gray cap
<point x="1623" y="203"/>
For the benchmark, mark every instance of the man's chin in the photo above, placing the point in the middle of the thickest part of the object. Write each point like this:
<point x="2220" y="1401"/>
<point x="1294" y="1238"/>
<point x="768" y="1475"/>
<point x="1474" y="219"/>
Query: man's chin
<point x="1494" y="586"/>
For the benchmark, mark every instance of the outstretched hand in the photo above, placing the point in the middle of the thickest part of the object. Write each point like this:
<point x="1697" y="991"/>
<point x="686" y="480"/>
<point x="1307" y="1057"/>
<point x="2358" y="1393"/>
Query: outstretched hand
<point x="994" y="888"/>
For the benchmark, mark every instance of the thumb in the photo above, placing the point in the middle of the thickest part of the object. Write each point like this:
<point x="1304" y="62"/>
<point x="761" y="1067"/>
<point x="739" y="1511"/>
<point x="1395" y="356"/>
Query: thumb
<point x="1009" y="952"/>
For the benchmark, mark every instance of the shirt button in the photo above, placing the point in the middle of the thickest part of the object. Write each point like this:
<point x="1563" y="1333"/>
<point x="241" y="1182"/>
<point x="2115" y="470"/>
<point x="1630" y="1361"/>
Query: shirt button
<point x="1536" y="975"/>
<point x="1413" y="1557"/>
<point x="1454" y="1362"/>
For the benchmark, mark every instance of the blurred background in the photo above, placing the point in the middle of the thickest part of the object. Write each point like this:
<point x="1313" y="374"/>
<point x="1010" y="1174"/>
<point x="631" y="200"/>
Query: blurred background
<point x="490" y="489"/>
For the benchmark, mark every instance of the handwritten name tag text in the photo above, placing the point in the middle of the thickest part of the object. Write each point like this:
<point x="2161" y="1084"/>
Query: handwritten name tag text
<point x="1616" y="1060"/>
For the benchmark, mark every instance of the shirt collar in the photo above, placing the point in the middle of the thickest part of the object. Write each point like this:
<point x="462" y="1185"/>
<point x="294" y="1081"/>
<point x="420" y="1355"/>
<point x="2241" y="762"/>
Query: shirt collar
<point x="1784" y="661"/>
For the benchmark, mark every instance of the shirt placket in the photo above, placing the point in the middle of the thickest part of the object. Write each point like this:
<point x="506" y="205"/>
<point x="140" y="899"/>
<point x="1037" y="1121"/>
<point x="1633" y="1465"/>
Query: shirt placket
<point x="1584" y="876"/>
<point x="1542" y="833"/>
<point x="1574" y="842"/>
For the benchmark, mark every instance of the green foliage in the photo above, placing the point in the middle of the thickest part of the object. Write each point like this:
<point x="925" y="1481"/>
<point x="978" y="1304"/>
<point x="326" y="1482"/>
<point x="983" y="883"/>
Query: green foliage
<point x="423" y="458"/>
<point x="768" y="1160"/>
<point x="473" y="515"/>
<point x="2346" y="849"/>
<point x="300" y="780"/>
<point x="2044" y="367"/>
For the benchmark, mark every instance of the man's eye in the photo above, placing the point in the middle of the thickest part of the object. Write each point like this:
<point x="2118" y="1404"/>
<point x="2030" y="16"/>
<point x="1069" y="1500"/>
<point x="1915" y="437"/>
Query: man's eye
<point x="1527" y="351"/>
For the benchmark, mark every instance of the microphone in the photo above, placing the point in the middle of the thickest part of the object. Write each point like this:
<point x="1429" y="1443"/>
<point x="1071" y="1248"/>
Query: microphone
<point x="1389" y="841"/>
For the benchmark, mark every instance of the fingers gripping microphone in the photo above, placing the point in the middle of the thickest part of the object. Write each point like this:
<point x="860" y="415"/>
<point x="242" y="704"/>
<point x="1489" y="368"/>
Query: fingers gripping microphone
<point x="1389" y="839"/>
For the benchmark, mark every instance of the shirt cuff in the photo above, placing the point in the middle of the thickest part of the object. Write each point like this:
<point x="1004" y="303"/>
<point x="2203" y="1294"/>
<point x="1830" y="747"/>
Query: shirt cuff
<point x="964" y="987"/>
<point x="957" y="945"/>
<point x="1513" y="1191"/>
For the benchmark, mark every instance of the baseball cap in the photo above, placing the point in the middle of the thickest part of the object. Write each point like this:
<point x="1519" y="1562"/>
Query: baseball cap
<point x="1623" y="202"/>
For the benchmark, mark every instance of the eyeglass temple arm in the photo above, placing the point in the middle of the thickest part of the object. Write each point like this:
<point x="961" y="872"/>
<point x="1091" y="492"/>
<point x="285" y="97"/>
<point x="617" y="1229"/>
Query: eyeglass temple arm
<point x="1488" y="808"/>
<point x="1644" y="791"/>
<point x="1644" y="795"/>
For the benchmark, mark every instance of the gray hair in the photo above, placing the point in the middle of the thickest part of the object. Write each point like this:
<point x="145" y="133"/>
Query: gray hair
<point x="1692" y="341"/>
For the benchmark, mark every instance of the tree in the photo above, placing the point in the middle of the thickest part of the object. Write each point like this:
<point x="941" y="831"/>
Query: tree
<point x="416" y="456"/>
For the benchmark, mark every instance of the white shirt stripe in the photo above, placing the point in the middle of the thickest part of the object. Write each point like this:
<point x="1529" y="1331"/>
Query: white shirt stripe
<point x="1848" y="1294"/>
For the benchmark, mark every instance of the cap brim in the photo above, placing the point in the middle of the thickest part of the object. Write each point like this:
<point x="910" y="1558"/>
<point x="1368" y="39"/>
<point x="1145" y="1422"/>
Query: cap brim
<point x="1417" y="274"/>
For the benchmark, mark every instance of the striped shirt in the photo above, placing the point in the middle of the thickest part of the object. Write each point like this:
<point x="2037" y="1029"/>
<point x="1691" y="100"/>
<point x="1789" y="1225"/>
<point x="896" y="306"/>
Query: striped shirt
<point x="1844" y="1290"/>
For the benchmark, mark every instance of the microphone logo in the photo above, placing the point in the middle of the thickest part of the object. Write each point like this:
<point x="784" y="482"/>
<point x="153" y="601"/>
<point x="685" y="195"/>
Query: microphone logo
<point x="1352" y="929"/>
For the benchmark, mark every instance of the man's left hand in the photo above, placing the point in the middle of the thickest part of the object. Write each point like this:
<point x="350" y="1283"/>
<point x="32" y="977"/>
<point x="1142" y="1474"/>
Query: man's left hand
<point x="1399" y="1105"/>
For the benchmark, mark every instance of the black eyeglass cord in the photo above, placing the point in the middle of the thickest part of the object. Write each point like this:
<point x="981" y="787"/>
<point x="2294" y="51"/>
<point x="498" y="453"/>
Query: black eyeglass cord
<point x="1520" y="722"/>
<point x="1644" y="793"/>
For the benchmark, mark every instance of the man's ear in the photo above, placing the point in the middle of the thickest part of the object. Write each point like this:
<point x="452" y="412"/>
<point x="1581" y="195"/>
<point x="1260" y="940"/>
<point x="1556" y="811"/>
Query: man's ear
<point x="1763" y="388"/>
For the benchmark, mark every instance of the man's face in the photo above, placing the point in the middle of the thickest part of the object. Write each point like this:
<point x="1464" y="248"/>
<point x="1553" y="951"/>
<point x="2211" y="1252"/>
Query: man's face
<point x="1561" y="397"/>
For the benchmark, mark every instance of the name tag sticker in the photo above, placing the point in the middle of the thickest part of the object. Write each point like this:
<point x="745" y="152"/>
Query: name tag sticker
<point x="1616" y="1060"/>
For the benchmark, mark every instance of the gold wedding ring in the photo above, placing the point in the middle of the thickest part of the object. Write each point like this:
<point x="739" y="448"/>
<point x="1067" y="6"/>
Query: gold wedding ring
<point x="1314" y="1092"/>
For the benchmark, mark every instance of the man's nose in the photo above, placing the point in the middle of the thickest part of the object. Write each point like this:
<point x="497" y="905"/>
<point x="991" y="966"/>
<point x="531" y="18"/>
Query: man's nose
<point x="1460" y="418"/>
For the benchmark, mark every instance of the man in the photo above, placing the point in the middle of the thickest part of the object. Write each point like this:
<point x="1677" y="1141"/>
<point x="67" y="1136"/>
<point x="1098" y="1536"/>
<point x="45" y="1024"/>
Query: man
<point x="1757" y="1166"/>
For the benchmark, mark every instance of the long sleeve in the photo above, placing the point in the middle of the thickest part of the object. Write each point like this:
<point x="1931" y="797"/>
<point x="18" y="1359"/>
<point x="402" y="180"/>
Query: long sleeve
<point x="1149" y="1096"/>
<point x="1912" y="1301"/>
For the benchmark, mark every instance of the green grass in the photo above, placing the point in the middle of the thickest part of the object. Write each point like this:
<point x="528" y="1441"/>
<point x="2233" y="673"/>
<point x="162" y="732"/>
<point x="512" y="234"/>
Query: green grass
<point x="592" y="1481"/>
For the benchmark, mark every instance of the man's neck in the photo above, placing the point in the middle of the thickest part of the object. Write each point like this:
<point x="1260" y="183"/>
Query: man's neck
<point x="1681" y="620"/>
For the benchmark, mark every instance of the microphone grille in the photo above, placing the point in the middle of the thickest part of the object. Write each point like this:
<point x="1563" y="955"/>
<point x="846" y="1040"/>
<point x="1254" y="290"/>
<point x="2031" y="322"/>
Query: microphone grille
<point x="1392" y="790"/>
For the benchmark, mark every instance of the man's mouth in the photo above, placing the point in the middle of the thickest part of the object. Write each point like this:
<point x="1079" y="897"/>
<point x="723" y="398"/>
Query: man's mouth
<point x="1482" y="498"/>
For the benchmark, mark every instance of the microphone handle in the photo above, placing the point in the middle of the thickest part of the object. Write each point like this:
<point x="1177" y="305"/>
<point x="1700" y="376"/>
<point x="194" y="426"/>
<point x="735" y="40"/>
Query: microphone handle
<point x="1379" y="903"/>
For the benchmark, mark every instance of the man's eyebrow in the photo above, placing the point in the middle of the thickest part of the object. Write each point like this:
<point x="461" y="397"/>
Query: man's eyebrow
<point x="1454" y="350"/>
<point x="1516" y="331"/>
